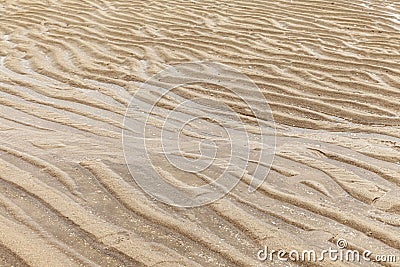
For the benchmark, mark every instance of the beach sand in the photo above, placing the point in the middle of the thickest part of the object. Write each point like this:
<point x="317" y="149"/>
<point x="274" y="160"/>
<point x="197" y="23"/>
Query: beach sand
<point x="68" y="69"/>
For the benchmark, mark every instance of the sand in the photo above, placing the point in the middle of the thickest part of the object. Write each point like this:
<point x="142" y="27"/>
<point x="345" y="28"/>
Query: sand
<point x="68" y="69"/>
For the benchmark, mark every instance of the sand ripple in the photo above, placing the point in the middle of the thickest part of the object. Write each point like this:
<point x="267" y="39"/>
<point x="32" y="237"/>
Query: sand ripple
<point x="331" y="74"/>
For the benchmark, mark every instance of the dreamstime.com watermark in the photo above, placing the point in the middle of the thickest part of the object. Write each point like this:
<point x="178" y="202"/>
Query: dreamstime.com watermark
<point x="339" y="253"/>
<point x="200" y="121"/>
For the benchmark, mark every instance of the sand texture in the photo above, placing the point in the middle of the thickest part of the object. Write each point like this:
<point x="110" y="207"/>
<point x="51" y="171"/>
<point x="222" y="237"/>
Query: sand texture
<point x="330" y="71"/>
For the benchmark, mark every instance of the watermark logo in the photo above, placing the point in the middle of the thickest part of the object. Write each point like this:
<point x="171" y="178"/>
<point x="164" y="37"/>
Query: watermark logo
<point x="341" y="243"/>
<point x="192" y="131"/>
<point x="341" y="253"/>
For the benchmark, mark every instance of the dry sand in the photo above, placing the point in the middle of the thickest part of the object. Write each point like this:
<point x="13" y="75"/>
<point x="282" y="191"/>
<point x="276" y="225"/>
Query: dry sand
<point x="329" y="70"/>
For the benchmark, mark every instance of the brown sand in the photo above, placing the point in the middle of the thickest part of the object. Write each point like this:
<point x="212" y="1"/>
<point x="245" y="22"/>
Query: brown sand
<point x="329" y="69"/>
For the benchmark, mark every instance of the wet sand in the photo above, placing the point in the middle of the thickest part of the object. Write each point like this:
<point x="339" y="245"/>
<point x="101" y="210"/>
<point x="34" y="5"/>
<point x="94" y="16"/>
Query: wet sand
<point x="68" y="69"/>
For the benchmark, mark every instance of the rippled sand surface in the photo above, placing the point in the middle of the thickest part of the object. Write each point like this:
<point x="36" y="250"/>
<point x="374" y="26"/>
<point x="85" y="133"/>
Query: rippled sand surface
<point x="68" y="69"/>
